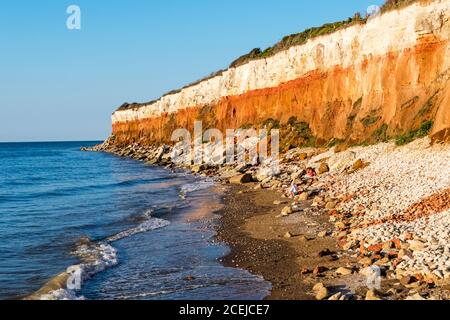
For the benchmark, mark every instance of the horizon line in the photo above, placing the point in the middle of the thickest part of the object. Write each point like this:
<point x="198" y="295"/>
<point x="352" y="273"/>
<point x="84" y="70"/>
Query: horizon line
<point x="52" y="141"/>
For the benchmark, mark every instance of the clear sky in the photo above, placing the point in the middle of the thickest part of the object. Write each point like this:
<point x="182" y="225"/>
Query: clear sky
<point x="60" y="84"/>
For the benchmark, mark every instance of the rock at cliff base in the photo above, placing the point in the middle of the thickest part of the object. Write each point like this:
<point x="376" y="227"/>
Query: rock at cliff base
<point x="303" y="156"/>
<point x="323" y="168"/>
<point x="359" y="165"/>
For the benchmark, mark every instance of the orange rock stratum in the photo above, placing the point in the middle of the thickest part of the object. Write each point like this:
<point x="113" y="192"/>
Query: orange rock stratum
<point x="390" y="74"/>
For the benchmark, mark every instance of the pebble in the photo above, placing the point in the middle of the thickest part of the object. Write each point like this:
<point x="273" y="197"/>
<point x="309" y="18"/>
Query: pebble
<point x="372" y="295"/>
<point x="344" y="271"/>
<point x="322" y="234"/>
<point x="286" y="211"/>
<point x="321" y="291"/>
<point x="335" y="297"/>
<point x="288" y="235"/>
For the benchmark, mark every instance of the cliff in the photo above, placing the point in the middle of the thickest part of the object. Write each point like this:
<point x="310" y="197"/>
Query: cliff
<point x="372" y="80"/>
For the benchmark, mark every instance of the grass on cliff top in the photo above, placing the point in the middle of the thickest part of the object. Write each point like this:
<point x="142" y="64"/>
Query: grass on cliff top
<point x="302" y="37"/>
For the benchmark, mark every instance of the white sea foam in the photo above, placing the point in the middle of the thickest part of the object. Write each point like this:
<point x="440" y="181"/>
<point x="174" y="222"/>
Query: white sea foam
<point x="148" y="225"/>
<point x="197" y="186"/>
<point x="97" y="257"/>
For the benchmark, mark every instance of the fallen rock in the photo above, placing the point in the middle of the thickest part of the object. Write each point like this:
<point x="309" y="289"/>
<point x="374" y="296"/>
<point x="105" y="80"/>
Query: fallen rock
<point x="322" y="234"/>
<point x="340" y="225"/>
<point x="319" y="269"/>
<point x="288" y="235"/>
<point x="305" y="271"/>
<point x="303" y="238"/>
<point x="198" y="168"/>
<point x="335" y="297"/>
<point x="286" y="211"/>
<point x="407" y="280"/>
<point x="372" y="295"/>
<point x="340" y="148"/>
<point x="303" y="156"/>
<point x="331" y="205"/>
<point x="304" y="196"/>
<point x="241" y="179"/>
<point x="321" y="291"/>
<point x="416" y="245"/>
<point x="366" y="261"/>
<point x="344" y="271"/>
<point x="323" y="168"/>
<point x="325" y="253"/>
<point x="415" y="297"/>
<point x="358" y="165"/>
<point x="405" y="253"/>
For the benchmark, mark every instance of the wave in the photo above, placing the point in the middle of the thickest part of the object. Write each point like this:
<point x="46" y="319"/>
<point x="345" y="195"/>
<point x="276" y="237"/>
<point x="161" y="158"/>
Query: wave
<point x="70" y="191"/>
<point x="196" y="186"/>
<point x="151" y="224"/>
<point x="95" y="257"/>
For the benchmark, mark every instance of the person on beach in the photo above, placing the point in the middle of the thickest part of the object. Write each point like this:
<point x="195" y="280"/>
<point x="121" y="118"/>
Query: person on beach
<point x="311" y="173"/>
<point x="293" y="191"/>
<point x="310" y="176"/>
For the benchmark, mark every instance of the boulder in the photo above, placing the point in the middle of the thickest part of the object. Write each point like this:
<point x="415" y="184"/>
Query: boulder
<point x="341" y="160"/>
<point x="304" y="196"/>
<point x="367" y="261"/>
<point x="415" y="297"/>
<point x="198" y="168"/>
<point x="330" y="205"/>
<point x="416" y="245"/>
<point x="372" y="295"/>
<point x="323" y="168"/>
<point x="358" y="165"/>
<point x="322" y="234"/>
<point x="335" y="297"/>
<point x="405" y="253"/>
<point x="241" y="179"/>
<point x="319" y="269"/>
<point x="303" y="156"/>
<point x="344" y="271"/>
<point x="288" y="235"/>
<point x="341" y="148"/>
<point x="286" y="211"/>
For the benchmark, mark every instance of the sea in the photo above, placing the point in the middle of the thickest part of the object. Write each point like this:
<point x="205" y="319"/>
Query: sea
<point x="122" y="229"/>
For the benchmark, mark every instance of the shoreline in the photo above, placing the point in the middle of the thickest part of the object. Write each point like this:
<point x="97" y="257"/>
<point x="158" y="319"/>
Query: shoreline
<point x="256" y="237"/>
<point x="366" y="214"/>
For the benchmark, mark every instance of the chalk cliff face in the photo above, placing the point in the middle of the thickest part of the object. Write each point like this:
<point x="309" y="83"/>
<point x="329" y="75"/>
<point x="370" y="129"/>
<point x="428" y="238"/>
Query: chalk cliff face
<point x="389" y="74"/>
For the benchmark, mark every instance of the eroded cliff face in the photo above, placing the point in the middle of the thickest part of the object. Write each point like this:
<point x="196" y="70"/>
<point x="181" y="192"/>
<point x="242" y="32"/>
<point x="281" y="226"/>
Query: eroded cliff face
<point x="386" y="76"/>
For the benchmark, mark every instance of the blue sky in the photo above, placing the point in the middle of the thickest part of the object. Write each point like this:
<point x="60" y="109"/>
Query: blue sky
<point x="60" y="84"/>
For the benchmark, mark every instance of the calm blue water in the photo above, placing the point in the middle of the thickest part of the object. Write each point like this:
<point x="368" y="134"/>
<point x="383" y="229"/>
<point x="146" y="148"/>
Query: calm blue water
<point x="158" y="224"/>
